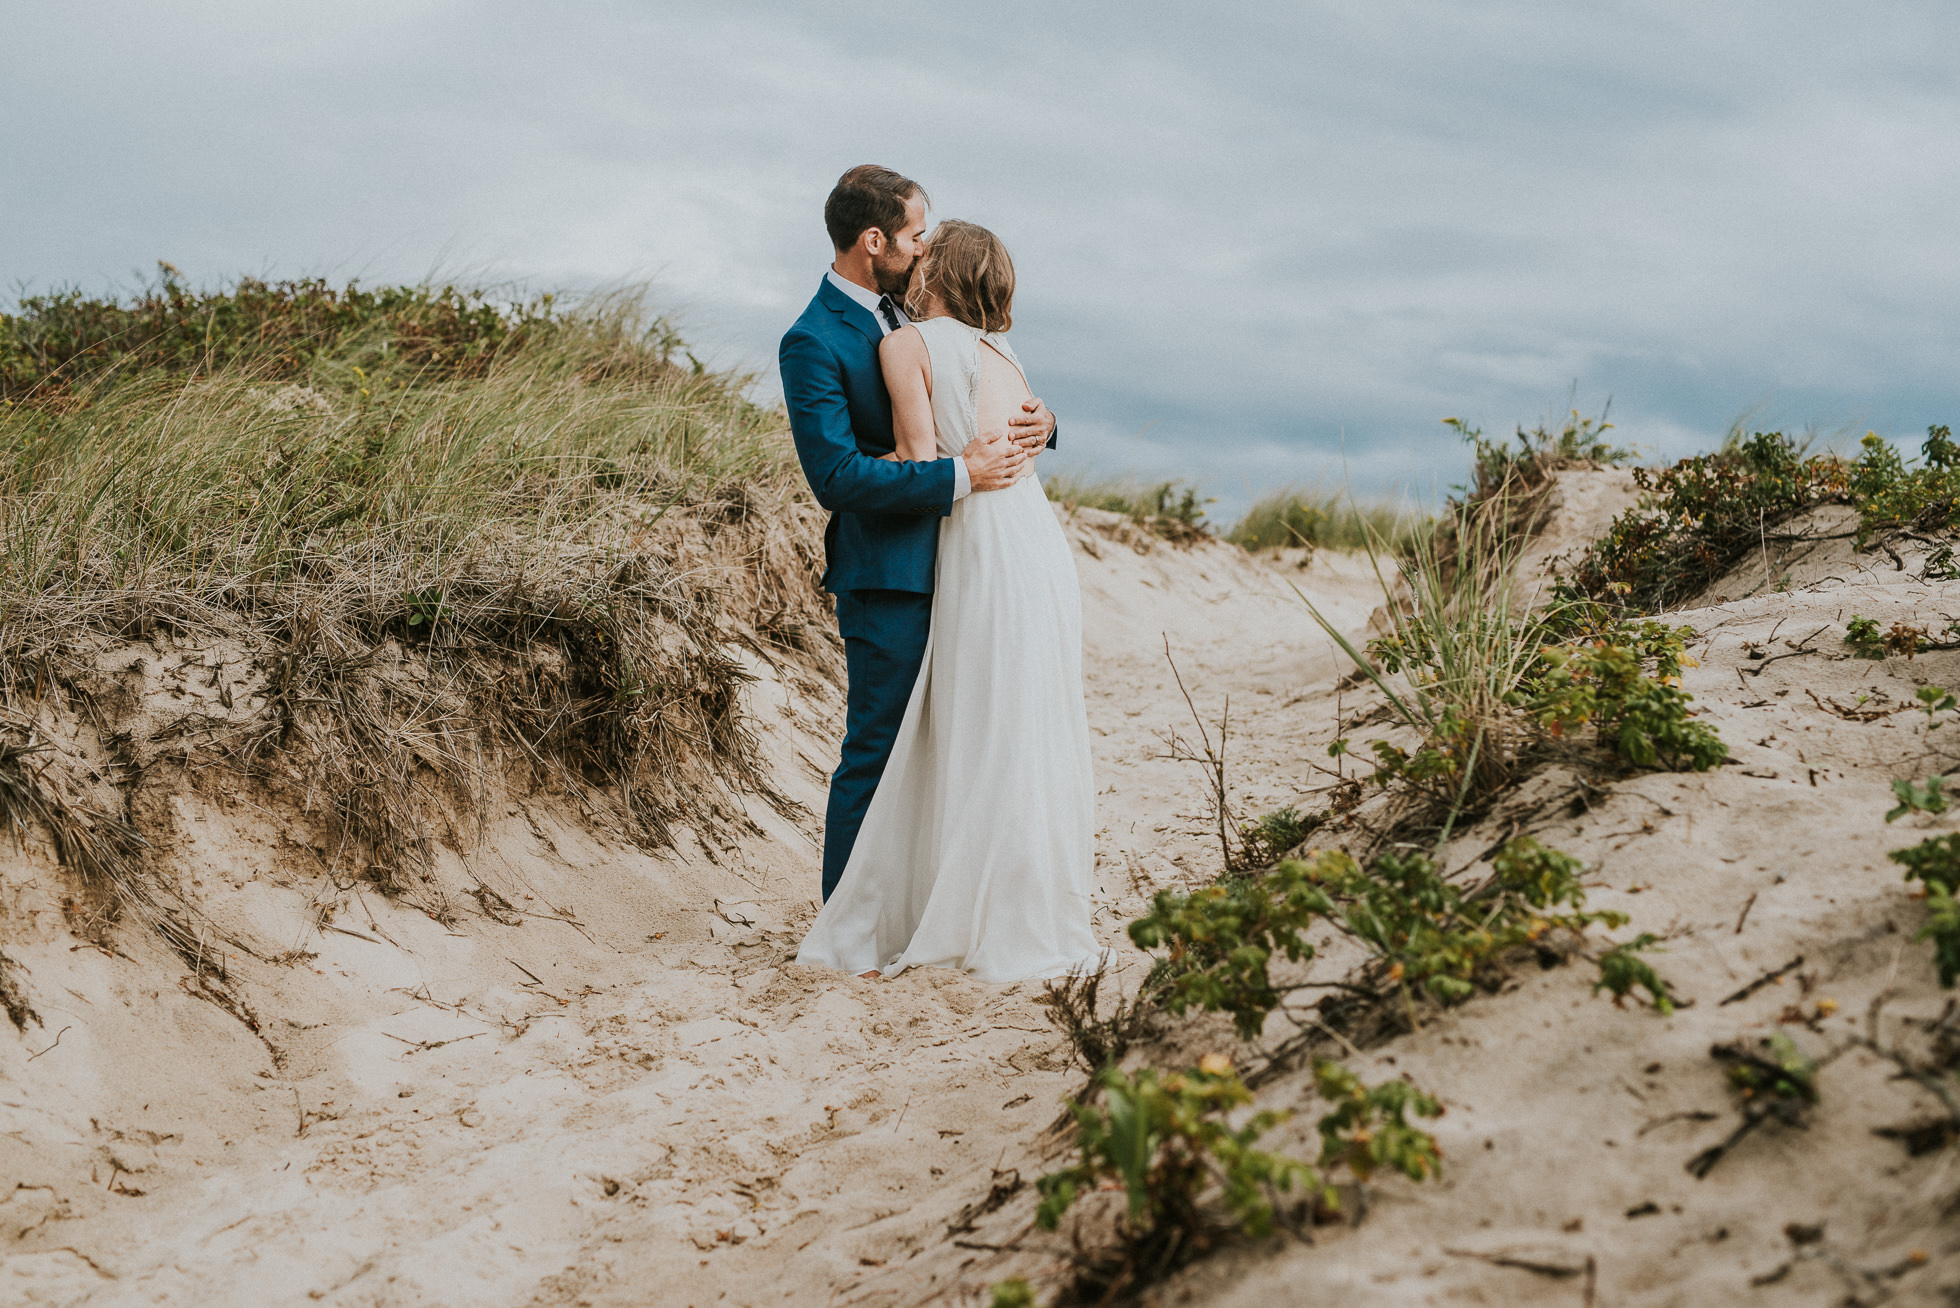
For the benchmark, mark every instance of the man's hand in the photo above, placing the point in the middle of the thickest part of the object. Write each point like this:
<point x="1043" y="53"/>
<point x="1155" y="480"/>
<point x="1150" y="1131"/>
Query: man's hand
<point x="1031" y="428"/>
<point x="994" y="463"/>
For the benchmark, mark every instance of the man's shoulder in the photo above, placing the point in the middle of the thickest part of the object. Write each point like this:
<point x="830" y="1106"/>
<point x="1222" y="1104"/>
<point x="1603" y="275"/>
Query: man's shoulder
<point x="816" y="324"/>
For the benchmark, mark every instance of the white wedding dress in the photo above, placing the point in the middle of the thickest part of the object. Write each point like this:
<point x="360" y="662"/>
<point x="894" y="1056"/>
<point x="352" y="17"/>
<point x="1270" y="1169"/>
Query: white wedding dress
<point x="978" y="850"/>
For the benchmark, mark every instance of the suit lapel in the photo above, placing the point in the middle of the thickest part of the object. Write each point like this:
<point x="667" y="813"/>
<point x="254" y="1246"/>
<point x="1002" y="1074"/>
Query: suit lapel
<point x="850" y="311"/>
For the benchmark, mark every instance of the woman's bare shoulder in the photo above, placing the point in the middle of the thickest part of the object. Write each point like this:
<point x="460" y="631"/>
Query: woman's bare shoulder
<point x="905" y="343"/>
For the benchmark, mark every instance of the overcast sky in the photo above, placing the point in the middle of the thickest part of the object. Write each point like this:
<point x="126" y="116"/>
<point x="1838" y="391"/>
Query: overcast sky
<point x="1257" y="242"/>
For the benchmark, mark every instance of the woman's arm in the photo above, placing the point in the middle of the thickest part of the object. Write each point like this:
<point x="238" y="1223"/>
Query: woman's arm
<point x="908" y="378"/>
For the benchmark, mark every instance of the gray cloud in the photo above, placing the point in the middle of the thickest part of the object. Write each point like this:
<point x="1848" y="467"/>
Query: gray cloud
<point x="1256" y="243"/>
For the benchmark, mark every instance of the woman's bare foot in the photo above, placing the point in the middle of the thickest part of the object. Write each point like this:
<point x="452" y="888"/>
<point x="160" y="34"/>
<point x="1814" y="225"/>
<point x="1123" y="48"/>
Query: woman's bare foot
<point x="873" y="975"/>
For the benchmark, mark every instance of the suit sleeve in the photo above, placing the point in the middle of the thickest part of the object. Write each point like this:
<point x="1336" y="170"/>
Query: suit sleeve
<point x="843" y="478"/>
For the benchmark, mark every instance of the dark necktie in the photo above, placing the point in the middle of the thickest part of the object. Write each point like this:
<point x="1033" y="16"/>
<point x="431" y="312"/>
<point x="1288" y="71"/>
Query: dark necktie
<point x="890" y="310"/>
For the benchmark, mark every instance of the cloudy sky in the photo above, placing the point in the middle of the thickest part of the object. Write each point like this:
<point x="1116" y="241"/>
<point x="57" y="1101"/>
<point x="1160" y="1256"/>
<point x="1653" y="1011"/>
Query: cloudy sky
<point x="1257" y="242"/>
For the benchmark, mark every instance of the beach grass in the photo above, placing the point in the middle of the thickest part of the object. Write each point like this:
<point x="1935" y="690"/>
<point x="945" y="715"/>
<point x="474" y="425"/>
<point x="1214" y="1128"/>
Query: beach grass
<point x="1304" y="516"/>
<point x="548" y="505"/>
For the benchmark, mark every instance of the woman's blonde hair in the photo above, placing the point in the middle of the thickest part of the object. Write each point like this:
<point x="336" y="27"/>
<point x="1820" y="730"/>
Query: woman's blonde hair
<point x="967" y="267"/>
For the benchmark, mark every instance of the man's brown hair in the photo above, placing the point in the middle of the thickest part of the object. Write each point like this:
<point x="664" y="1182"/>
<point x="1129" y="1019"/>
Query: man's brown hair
<point x="967" y="267"/>
<point x="865" y="197"/>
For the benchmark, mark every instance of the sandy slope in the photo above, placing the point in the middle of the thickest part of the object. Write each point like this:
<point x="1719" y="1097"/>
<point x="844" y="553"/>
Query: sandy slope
<point x="632" y="1096"/>
<point x="635" y="1098"/>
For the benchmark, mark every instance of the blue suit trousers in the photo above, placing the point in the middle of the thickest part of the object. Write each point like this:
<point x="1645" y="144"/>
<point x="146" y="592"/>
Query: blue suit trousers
<point x="885" y="635"/>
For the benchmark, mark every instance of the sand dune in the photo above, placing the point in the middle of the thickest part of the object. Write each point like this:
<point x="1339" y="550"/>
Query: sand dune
<point x="611" y="1085"/>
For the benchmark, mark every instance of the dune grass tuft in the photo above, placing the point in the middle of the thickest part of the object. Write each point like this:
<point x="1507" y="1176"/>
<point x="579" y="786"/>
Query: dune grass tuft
<point x="558" y="525"/>
<point x="1171" y="509"/>
<point x="1296" y="516"/>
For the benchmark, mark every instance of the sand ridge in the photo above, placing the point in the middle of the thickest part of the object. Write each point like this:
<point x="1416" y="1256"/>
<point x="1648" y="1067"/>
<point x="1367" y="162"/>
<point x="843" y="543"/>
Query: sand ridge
<point x="635" y="1097"/>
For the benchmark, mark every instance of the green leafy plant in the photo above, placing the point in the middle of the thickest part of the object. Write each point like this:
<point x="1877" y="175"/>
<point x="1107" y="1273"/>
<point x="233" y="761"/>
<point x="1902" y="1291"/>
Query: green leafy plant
<point x="1165" y="1141"/>
<point x="1646" y="718"/>
<point x="1918" y="797"/>
<point x="1369" y="1127"/>
<point x="1576" y="440"/>
<point x="1267" y="838"/>
<point x="1222" y="939"/>
<point x="1429" y="936"/>
<point x="1935" y="864"/>
<point x="1011" y="1293"/>
<point x="1933" y="701"/>
<point x="1702" y="515"/>
<point x="1864" y="637"/>
<point x="1621" y="969"/>
<point x="1436" y="938"/>
<point x="1943" y="929"/>
<point x="1776" y="1069"/>
<point x="1890" y="491"/>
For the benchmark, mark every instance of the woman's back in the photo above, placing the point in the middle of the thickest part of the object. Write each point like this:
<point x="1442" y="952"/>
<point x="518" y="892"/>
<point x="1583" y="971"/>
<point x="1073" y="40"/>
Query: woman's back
<point x="976" y="385"/>
<point x="1000" y="390"/>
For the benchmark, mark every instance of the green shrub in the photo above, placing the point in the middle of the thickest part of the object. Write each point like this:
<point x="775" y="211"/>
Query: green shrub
<point x="1166" y="1140"/>
<point x="1171" y="509"/>
<point x="1437" y="938"/>
<point x="1369" y="1127"/>
<point x="1776" y="1070"/>
<point x="1863" y="635"/>
<point x="1222" y="938"/>
<point x="1539" y="452"/>
<point x="1888" y="491"/>
<point x="1933" y="701"/>
<point x="1429" y="935"/>
<point x="1646" y="718"/>
<point x="1943" y="929"/>
<point x="1917" y="797"/>
<point x="1703" y="515"/>
<point x="1699" y="517"/>
<point x="1621" y="969"/>
<point x="1773" y="1080"/>
<point x="1012" y="1293"/>
<point x="1935" y="863"/>
<point x="55" y="345"/>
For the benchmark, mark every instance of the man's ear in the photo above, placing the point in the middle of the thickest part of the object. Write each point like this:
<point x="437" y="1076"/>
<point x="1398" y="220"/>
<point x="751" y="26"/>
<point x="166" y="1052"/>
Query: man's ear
<point x="873" y="241"/>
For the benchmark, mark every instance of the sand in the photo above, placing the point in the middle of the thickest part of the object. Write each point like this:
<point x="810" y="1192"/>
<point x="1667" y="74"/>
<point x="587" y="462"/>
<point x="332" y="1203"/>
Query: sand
<point x="632" y="1095"/>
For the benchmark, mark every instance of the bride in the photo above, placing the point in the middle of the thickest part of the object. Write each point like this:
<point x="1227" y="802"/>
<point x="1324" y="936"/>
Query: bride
<point x="978" y="850"/>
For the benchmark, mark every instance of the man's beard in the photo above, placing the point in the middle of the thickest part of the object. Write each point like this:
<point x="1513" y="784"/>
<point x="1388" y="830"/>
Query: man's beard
<point x="894" y="280"/>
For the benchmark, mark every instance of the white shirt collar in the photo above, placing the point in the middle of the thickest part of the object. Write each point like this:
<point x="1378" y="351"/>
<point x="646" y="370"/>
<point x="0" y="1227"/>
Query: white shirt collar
<point x="869" y="299"/>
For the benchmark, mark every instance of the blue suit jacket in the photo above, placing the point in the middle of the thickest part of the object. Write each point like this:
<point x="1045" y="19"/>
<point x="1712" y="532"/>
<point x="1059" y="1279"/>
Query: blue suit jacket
<point x="884" y="525"/>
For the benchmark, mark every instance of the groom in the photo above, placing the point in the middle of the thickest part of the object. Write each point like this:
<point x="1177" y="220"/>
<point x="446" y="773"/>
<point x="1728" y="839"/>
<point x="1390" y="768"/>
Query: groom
<point x="883" y="536"/>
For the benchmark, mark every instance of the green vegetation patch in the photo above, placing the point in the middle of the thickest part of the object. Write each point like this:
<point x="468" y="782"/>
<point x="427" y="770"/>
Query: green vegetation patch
<point x="1935" y="864"/>
<point x="57" y="345"/>
<point x="1297" y="517"/>
<point x="1170" y="1142"/>
<point x="1701" y="516"/>
<point x="1173" y="510"/>
<point x="1426" y="935"/>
